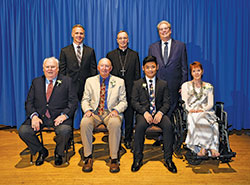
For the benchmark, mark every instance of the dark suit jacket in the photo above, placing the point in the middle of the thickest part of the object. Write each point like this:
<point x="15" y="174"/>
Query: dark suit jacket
<point x="176" y="70"/>
<point x="63" y="99"/>
<point x="132" y="67"/>
<point x="69" y="66"/>
<point x="140" y="96"/>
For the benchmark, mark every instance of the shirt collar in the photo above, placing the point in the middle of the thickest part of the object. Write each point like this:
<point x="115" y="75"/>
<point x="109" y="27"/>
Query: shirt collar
<point x="54" y="79"/>
<point x="75" y="45"/>
<point x="106" y="81"/>
<point x="153" y="79"/>
<point x="169" y="42"/>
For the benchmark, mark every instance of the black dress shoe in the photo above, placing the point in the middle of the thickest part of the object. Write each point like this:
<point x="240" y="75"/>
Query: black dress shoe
<point x="58" y="160"/>
<point x="127" y="145"/>
<point x="136" y="165"/>
<point x="41" y="157"/>
<point x="170" y="165"/>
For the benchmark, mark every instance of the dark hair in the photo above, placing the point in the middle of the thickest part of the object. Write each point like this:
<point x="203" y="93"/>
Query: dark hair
<point x="195" y="64"/>
<point x="149" y="59"/>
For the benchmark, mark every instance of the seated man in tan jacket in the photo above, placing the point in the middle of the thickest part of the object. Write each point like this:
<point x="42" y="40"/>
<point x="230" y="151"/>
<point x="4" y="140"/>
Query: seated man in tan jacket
<point x="104" y="100"/>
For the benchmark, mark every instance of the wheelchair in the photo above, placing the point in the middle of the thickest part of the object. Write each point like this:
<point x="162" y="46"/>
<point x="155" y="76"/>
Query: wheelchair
<point x="180" y="128"/>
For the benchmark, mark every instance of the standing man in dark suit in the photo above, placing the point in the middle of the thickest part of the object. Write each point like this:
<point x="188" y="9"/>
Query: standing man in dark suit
<point x="77" y="60"/>
<point x="126" y="65"/>
<point x="51" y="102"/>
<point x="150" y="99"/>
<point x="171" y="56"/>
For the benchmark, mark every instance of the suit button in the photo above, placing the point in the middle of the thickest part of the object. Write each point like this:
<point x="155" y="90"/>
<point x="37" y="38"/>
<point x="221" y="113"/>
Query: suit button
<point x="47" y="105"/>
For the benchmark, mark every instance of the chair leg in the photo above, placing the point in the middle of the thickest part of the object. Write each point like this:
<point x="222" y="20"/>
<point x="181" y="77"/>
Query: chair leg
<point x="39" y="133"/>
<point x="31" y="159"/>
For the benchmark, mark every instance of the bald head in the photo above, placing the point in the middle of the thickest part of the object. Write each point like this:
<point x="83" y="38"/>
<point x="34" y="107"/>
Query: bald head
<point x="104" y="67"/>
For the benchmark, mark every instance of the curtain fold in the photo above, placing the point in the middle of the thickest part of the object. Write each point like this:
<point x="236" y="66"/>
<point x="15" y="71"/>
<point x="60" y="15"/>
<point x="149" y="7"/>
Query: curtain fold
<point x="216" y="34"/>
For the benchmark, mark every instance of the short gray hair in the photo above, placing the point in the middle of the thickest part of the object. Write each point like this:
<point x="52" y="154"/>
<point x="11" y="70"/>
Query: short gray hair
<point x="51" y="58"/>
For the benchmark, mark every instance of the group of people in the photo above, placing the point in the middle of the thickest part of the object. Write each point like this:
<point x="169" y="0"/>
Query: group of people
<point x="114" y="94"/>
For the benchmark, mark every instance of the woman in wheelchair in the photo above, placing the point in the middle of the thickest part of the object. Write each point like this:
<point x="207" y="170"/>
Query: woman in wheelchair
<point x="203" y="132"/>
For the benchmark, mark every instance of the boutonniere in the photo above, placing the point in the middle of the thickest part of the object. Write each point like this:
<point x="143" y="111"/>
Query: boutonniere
<point x="112" y="83"/>
<point x="58" y="82"/>
<point x="144" y="85"/>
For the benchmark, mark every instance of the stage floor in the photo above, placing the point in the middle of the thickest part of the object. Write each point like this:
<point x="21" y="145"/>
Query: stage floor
<point x="16" y="169"/>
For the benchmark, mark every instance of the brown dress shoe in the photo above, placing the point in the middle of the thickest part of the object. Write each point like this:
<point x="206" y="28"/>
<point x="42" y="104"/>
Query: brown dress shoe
<point x="88" y="165"/>
<point x="114" y="166"/>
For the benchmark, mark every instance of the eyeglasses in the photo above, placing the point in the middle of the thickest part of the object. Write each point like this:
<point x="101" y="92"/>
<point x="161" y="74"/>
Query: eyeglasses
<point x="164" y="29"/>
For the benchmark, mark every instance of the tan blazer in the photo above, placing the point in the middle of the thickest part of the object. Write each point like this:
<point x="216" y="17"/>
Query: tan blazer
<point x="116" y="94"/>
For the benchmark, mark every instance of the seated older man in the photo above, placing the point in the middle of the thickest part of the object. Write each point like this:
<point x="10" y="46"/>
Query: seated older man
<point x="104" y="100"/>
<point x="51" y="102"/>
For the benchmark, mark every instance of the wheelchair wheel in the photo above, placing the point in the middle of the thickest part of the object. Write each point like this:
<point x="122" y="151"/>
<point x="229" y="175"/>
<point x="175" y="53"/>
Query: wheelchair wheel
<point x="179" y="133"/>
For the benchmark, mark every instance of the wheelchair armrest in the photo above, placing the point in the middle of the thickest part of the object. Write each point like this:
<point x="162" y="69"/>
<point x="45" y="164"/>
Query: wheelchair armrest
<point x="219" y="103"/>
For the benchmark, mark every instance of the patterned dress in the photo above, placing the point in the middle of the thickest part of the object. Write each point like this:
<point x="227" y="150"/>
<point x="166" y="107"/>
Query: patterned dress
<point x="203" y="126"/>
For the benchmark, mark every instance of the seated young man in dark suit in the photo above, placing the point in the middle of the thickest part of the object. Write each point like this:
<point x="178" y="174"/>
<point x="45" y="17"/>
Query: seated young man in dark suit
<point x="51" y="102"/>
<point x="150" y="100"/>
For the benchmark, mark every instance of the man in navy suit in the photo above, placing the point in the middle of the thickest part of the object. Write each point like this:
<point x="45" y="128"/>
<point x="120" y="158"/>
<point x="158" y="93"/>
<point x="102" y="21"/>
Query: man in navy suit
<point x="150" y="100"/>
<point x="51" y="102"/>
<point x="77" y="60"/>
<point x="171" y="56"/>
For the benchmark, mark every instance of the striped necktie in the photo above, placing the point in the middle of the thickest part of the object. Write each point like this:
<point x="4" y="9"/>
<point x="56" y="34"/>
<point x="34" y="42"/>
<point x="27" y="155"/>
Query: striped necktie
<point x="79" y="55"/>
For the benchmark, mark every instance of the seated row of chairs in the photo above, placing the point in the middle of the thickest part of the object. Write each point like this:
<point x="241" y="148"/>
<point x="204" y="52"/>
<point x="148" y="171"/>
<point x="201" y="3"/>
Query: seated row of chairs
<point x="179" y="120"/>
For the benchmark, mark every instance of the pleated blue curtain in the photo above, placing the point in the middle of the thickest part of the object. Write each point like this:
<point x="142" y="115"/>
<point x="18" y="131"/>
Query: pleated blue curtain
<point x="216" y="33"/>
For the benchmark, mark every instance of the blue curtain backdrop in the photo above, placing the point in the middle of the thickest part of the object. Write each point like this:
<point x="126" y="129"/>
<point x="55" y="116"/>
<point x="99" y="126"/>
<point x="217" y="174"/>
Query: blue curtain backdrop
<point x="216" y="33"/>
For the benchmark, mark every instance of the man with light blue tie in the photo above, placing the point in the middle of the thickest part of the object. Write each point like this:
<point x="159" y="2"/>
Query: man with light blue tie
<point x="171" y="56"/>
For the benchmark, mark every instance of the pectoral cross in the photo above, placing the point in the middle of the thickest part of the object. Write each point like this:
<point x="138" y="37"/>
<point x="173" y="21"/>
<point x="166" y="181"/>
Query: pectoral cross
<point x="123" y="71"/>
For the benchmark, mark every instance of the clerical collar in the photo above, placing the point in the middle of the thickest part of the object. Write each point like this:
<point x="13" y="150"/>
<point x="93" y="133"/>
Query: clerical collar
<point x="123" y="50"/>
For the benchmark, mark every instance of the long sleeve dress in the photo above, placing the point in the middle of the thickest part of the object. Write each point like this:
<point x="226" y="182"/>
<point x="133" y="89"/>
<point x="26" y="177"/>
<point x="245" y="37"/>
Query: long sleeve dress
<point x="203" y="126"/>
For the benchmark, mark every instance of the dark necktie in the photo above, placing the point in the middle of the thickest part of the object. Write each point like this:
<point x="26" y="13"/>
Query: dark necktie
<point x="102" y="98"/>
<point x="152" y="98"/>
<point x="165" y="53"/>
<point x="78" y="55"/>
<point x="48" y="94"/>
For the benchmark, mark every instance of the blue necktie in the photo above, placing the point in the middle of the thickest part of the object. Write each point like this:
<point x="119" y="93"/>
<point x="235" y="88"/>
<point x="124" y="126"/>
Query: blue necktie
<point x="165" y="57"/>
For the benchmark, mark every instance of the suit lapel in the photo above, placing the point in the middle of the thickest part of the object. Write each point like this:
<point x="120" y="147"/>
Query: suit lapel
<point x="157" y="85"/>
<point x="83" y="50"/>
<point x="160" y="52"/>
<point x="145" y="89"/>
<point x="43" y="85"/>
<point x="97" y="92"/>
<point x="110" y="88"/>
<point x="173" y="44"/>
<point x="72" y="50"/>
